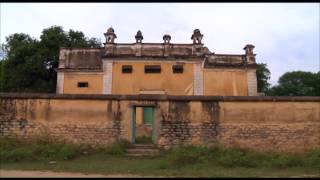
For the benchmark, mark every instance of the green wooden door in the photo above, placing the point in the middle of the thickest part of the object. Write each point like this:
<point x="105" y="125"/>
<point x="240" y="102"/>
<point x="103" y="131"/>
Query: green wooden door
<point x="148" y="118"/>
<point x="148" y="115"/>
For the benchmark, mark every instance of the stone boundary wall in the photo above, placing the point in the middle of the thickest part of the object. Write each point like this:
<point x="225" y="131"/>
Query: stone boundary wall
<point x="262" y="123"/>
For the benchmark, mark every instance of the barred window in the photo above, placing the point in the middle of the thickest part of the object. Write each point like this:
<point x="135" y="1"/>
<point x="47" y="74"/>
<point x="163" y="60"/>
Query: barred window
<point x="126" y="69"/>
<point x="83" y="84"/>
<point x="178" y="68"/>
<point x="152" y="69"/>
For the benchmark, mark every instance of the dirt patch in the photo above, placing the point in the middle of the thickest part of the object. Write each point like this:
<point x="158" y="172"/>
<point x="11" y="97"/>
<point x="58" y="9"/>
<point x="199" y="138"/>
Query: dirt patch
<point x="19" y="173"/>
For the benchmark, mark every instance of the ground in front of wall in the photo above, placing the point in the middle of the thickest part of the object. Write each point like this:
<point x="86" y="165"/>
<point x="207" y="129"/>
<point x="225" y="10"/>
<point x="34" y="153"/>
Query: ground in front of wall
<point x="102" y="166"/>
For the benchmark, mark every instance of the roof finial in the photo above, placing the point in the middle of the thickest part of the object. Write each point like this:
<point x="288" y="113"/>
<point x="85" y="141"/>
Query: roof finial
<point x="196" y="36"/>
<point x="139" y="37"/>
<point x="110" y="35"/>
<point x="166" y="38"/>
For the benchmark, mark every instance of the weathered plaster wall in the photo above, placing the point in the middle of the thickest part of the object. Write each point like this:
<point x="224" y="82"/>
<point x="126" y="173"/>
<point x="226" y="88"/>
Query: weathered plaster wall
<point x="87" y="121"/>
<point x="222" y="82"/>
<point x="270" y="126"/>
<point x="259" y="123"/>
<point x="184" y="122"/>
<point x="225" y="82"/>
<point x="94" y="79"/>
<point x="167" y="81"/>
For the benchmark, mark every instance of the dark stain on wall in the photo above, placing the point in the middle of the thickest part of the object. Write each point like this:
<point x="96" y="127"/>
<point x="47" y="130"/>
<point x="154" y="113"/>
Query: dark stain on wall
<point x="179" y="111"/>
<point x="117" y="116"/>
<point x="47" y="110"/>
<point x="176" y="125"/>
<point x="109" y="108"/>
<point x="8" y="121"/>
<point x="212" y="108"/>
<point x="22" y="123"/>
<point x="8" y="107"/>
<point x="32" y="108"/>
<point x="210" y="126"/>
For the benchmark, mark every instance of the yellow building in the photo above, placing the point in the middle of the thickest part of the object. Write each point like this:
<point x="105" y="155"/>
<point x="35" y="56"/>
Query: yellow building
<point x="156" y="68"/>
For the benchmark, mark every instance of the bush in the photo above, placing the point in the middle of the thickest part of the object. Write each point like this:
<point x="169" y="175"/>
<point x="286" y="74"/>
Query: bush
<point x="16" y="155"/>
<point x="40" y="149"/>
<point x="86" y="149"/>
<point x="313" y="159"/>
<point x="117" y="148"/>
<point x="44" y="151"/>
<point x="163" y="166"/>
<point x="238" y="158"/>
<point x="9" y="143"/>
<point x="67" y="152"/>
<point x="184" y="155"/>
<point x="286" y="160"/>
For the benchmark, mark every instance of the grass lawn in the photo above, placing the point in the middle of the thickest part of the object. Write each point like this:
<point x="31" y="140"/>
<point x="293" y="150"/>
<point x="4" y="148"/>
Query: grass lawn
<point x="156" y="166"/>
<point x="178" y="162"/>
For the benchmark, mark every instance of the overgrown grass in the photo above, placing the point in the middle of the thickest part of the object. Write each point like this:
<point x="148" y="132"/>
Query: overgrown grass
<point x="186" y="160"/>
<point x="237" y="157"/>
<point x="118" y="148"/>
<point x="44" y="149"/>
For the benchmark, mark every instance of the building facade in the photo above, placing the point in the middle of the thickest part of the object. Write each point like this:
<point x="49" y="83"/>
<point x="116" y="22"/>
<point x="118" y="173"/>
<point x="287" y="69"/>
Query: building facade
<point x="156" y="68"/>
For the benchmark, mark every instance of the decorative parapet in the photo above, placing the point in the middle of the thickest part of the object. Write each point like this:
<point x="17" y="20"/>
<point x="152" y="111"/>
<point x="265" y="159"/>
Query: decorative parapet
<point x="91" y="58"/>
<point x="79" y="58"/>
<point x="155" y="50"/>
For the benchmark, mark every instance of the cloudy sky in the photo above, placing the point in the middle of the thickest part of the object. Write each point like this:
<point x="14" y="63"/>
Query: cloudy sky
<point x="286" y="35"/>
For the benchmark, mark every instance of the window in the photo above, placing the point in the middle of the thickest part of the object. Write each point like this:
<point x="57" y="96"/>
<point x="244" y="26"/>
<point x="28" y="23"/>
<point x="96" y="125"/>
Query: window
<point x="83" y="84"/>
<point x="152" y="69"/>
<point x="178" y="68"/>
<point x="126" y="69"/>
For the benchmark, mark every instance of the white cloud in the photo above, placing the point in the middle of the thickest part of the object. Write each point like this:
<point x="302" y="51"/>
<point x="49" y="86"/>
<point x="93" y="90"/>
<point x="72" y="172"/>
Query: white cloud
<point x="286" y="35"/>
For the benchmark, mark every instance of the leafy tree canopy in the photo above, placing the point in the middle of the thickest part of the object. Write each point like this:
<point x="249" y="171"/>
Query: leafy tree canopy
<point x="263" y="75"/>
<point x="297" y="83"/>
<point x="28" y="65"/>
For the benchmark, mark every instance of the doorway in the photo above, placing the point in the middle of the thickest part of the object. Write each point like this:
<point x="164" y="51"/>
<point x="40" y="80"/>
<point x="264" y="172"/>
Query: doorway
<point x="143" y="125"/>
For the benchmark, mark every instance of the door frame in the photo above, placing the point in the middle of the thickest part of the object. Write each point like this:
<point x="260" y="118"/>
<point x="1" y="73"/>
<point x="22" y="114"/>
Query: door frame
<point x="133" y="122"/>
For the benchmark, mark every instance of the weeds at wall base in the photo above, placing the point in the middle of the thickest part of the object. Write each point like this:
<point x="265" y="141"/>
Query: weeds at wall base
<point x="46" y="149"/>
<point x="18" y="150"/>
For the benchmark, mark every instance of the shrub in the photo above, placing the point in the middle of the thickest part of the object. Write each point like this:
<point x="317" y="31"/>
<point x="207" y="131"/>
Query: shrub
<point x="40" y="149"/>
<point x="9" y="143"/>
<point x="163" y="166"/>
<point x="117" y="148"/>
<point x="184" y="155"/>
<point x="16" y="155"/>
<point x="67" y="152"/>
<point x="313" y="159"/>
<point x="86" y="149"/>
<point x="44" y="151"/>
<point x="237" y="158"/>
<point x="285" y="161"/>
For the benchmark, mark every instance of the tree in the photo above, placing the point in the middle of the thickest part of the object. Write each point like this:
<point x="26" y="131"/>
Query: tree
<point x="29" y="63"/>
<point x="297" y="83"/>
<point x="263" y="75"/>
<point x="76" y="39"/>
<point x="94" y="43"/>
<point x="20" y="68"/>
